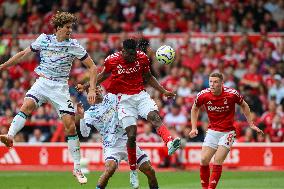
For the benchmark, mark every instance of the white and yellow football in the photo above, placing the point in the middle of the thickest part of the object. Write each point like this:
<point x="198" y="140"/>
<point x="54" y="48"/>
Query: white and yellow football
<point x="165" y="54"/>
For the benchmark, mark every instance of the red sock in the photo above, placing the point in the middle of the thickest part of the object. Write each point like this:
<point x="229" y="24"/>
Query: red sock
<point x="204" y="176"/>
<point x="164" y="133"/>
<point x="215" y="176"/>
<point x="132" y="157"/>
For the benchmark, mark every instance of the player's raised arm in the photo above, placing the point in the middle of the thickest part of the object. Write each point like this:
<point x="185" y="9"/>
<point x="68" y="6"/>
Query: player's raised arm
<point x="16" y="58"/>
<point x="88" y="62"/>
<point x="246" y="111"/>
<point x="100" y="78"/>
<point x="152" y="81"/>
<point x="103" y="75"/>
<point x="193" y="118"/>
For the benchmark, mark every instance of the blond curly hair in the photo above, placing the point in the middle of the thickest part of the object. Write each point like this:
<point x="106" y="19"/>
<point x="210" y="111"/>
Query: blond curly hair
<point x="62" y="18"/>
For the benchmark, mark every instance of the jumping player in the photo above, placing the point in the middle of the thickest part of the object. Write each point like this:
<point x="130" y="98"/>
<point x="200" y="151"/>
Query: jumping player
<point x="57" y="53"/>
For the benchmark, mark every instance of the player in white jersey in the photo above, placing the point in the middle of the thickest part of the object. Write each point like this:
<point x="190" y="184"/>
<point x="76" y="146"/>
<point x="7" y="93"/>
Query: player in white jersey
<point x="57" y="53"/>
<point x="103" y="117"/>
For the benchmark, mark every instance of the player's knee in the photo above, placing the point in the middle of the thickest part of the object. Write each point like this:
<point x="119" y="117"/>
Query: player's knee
<point x="147" y="169"/>
<point x="150" y="171"/>
<point x="69" y="124"/>
<point x="70" y="129"/>
<point x="131" y="132"/>
<point x="204" y="161"/>
<point x="218" y="161"/>
<point x="154" y="118"/>
<point x="28" y="107"/>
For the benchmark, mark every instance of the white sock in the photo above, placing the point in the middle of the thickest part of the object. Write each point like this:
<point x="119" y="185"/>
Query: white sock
<point x="74" y="149"/>
<point x="17" y="124"/>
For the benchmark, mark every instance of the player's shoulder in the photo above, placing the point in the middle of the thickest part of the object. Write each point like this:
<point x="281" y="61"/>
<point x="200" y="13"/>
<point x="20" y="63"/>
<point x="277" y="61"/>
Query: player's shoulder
<point x="203" y="92"/>
<point x="74" y="43"/>
<point x="42" y="36"/>
<point x="113" y="56"/>
<point x="231" y="91"/>
<point x="141" y="54"/>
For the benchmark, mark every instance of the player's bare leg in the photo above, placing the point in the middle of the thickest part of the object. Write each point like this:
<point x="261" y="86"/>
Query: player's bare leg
<point x="131" y="151"/>
<point x="73" y="145"/>
<point x="163" y="132"/>
<point x="219" y="158"/>
<point x="206" y="155"/>
<point x="148" y="170"/>
<point x="110" y="167"/>
<point x="19" y="121"/>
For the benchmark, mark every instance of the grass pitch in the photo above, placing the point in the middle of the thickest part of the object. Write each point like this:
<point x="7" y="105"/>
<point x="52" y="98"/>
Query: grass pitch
<point x="167" y="180"/>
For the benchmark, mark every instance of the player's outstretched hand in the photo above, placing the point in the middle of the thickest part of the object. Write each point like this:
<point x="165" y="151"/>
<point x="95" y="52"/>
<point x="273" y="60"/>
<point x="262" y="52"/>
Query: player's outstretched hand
<point x="80" y="88"/>
<point x="80" y="110"/>
<point x="255" y="128"/>
<point x="91" y="96"/>
<point x="169" y="94"/>
<point x="193" y="133"/>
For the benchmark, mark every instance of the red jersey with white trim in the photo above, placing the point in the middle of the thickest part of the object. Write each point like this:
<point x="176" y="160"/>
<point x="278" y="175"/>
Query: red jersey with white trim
<point x="126" y="78"/>
<point x="221" y="108"/>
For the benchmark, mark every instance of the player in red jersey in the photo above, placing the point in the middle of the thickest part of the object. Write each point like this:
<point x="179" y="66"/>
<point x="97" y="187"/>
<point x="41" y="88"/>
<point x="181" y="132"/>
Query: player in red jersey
<point x="219" y="102"/>
<point x="128" y="70"/>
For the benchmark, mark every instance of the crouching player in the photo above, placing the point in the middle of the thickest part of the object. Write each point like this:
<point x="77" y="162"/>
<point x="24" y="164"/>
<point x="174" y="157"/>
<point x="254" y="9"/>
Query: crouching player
<point x="103" y="117"/>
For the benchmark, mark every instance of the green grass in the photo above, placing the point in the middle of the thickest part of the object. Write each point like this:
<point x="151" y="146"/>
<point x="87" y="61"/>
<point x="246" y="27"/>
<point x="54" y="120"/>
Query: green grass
<point x="167" y="180"/>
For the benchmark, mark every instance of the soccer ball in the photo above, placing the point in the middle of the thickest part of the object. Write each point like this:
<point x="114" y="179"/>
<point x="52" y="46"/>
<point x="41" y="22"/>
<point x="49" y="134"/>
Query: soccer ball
<point x="165" y="54"/>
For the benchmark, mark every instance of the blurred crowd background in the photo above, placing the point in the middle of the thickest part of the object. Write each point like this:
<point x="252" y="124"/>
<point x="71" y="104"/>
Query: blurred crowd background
<point x="256" y="69"/>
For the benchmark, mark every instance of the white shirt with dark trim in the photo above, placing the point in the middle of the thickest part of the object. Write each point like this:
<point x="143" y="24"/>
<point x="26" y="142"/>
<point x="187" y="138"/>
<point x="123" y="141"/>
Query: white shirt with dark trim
<point x="104" y="118"/>
<point x="56" y="58"/>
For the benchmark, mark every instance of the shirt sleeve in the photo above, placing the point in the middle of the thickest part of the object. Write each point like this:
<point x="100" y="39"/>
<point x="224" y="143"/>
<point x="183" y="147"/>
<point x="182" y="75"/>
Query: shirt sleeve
<point x="146" y="63"/>
<point x="238" y="97"/>
<point x="107" y="65"/>
<point x="36" y="45"/>
<point x="79" y="52"/>
<point x="199" y="100"/>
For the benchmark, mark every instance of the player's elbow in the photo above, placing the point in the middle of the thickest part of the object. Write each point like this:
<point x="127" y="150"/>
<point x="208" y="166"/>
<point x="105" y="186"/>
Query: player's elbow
<point x="21" y="54"/>
<point x="244" y="106"/>
<point x="92" y="68"/>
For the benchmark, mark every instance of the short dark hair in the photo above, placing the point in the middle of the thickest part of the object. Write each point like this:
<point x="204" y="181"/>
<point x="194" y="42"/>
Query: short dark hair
<point x="143" y="44"/>
<point x="129" y="44"/>
<point x="62" y="18"/>
<point x="216" y="74"/>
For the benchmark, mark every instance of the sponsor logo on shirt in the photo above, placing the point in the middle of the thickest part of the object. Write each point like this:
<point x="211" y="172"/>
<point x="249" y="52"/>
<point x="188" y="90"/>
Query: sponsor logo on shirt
<point x="218" y="108"/>
<point x="121" y="70"/>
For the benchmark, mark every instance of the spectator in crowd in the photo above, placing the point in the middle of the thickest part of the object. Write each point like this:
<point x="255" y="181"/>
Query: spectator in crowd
<point x="175" y="118"/>
<point x="277" y="90"/>
<point x="36" y="137"/>
<point x="276" y="131"/>
<point x="248" y="136"/>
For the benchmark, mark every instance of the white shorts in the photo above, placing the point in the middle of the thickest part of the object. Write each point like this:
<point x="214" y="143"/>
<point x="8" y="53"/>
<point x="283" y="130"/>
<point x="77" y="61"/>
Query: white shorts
<point x="130" y="106"/>
<point x="57" y="93"/>
<point x="214" y="139"/>
<point x="119" y="153"/>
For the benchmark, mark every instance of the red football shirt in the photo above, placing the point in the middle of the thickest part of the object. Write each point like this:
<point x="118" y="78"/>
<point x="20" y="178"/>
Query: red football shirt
<point x="221" y="108"/>
<point x="126" y="78"/>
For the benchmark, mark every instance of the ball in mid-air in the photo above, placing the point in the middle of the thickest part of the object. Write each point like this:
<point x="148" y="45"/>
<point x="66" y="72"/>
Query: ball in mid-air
<point x="165" y="54"/>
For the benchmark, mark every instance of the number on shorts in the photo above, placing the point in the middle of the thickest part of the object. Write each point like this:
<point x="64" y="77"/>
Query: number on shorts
<point x="70" y="104"/>
<point x="230" y="139"/>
